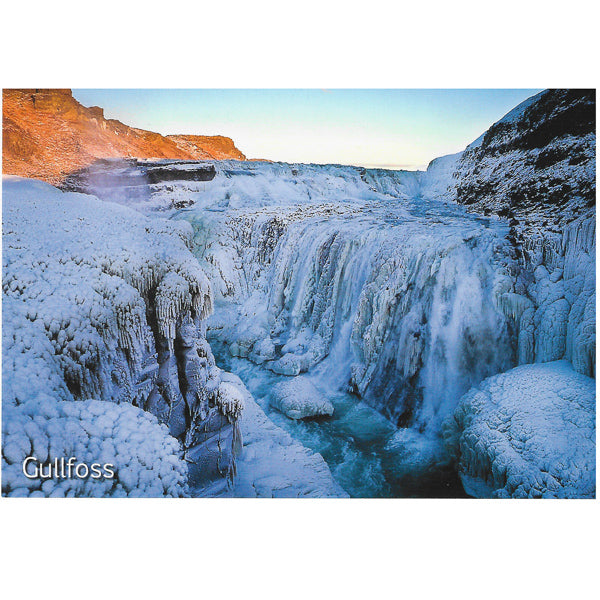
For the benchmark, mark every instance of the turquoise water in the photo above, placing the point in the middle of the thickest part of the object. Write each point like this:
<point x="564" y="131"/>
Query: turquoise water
<point x="368" y="456"/>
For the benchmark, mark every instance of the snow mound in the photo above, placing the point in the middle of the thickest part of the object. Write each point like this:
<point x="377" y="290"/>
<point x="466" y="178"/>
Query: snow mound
<point x="298" y="398"/>
<point x="527" y="433"/>
<point x="145" y="457"/>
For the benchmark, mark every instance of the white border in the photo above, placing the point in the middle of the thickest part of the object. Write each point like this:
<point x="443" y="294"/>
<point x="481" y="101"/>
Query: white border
<point x="282" y="549"/>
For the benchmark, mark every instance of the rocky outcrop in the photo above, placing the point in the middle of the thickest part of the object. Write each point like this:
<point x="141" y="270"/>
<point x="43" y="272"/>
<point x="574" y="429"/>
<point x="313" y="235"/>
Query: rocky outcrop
<point x="211" y="147"/>
<point x="47" y="135"/>
<point x="536" y="164"/>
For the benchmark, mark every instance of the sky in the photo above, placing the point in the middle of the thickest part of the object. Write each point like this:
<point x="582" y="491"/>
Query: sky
<point x="401" y="129"/>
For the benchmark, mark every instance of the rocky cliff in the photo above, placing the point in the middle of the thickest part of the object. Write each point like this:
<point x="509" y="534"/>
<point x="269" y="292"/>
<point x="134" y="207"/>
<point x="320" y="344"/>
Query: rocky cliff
<point x="47" y="135"/>
<point x="200" y="147"/>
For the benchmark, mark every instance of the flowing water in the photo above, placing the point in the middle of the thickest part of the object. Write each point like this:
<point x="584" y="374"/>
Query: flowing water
<point x="366" y="453"/>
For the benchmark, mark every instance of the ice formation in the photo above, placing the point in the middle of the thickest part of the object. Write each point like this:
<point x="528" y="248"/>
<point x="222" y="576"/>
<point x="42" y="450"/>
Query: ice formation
<point x="529" y="432"/>
<point x="103" y="304"/>
<point x="271" y="463"/>
<point x="406" y="288"/>
<point x="298" y="398"/>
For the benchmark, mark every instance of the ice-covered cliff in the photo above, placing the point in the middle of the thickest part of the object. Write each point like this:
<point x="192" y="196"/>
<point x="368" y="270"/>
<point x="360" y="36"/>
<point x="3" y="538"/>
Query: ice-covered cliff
<point x="103" y="304"/>
<point x="536" y="168"/>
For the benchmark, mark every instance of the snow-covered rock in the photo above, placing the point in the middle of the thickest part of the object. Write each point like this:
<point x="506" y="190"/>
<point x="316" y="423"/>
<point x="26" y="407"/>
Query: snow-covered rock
<point x="100" y="302"/>
<point x="536" y="167"/>
<point x="298" y="398"/>
<point x="271" y="463"/>
<point x="529" y="432"/>
<point x="146" y="459"/>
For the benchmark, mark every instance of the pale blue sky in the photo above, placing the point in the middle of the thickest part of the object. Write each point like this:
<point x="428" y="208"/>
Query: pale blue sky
<point x="390" y="128"/>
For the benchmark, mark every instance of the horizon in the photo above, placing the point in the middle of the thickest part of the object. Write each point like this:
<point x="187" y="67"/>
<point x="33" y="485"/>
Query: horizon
<point x="378" y="128"/>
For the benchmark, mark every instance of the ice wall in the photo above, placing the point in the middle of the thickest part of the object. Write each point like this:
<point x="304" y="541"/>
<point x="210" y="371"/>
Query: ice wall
<point x="553" y="301"/>
<point x="103" y="304"/>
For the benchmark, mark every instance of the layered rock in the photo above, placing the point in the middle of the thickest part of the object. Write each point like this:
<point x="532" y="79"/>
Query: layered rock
<point x="47" y="135"/>
<point x="202" y="147"/>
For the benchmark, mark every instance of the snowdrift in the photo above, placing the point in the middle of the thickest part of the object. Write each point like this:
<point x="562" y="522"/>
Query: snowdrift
<point x="527" y="433"/>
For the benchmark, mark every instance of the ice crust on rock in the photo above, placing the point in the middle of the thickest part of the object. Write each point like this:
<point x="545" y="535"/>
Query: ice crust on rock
<point x="298" y="398"/>
<point x="102" y="303"/>
<point x="271" y="463"/>
<point x="529" y="432"/>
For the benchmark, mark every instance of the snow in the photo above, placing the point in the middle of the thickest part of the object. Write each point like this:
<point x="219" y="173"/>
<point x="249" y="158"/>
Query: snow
<point x="94" y="298"/>
<point x="529" y="432"/>
<point x="298" y="398"/>
<point x="272" y="464"/>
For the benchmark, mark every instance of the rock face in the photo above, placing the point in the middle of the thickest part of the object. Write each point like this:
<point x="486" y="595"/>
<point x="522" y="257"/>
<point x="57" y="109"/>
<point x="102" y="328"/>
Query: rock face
<point x="202" y="147"/>
<point x="536" y="168"/>
<point x="102" y="303"/>
<point x="536" y="163"/>
<point x="527" y="433"/>
<point x="47" y="134"/>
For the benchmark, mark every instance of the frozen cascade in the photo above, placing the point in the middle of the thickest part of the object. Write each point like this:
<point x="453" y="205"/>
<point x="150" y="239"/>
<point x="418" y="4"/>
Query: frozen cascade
<point x="389" y="298"/>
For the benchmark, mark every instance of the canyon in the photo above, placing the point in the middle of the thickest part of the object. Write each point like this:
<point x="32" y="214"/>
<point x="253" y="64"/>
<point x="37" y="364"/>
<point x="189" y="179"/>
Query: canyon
<point x="437" y="327"/>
